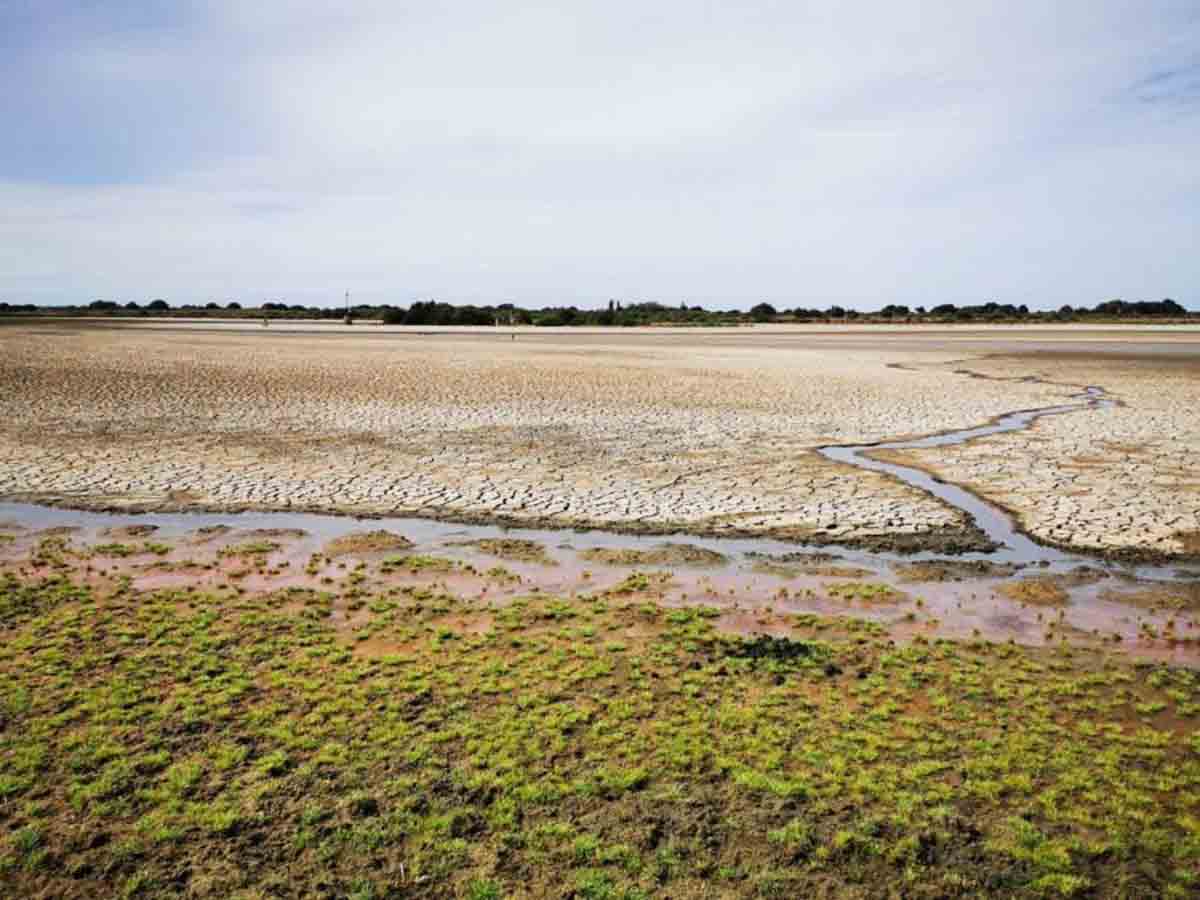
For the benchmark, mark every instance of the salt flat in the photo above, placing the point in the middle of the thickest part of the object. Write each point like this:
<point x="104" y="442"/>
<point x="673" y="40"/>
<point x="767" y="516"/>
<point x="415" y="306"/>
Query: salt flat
<point x="709" y="431"/>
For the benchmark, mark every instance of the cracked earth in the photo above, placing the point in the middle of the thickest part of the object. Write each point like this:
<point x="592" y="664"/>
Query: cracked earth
<point x="706" y="432"/>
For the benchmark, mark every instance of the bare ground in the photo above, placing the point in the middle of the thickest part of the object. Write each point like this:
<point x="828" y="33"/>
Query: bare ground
<point x="644" y="431"/>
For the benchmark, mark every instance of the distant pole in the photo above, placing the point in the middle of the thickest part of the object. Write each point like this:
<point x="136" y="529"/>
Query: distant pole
<point x="347" y="320"/>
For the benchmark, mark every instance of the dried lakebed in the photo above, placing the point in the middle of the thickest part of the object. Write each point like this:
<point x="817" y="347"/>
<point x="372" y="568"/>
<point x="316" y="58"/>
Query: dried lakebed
<point x="1017" y="589"/>
<point x="646" y="433"/>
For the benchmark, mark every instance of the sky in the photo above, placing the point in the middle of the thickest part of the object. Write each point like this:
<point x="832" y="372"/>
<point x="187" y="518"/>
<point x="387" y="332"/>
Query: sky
<point x="802" y="153"/>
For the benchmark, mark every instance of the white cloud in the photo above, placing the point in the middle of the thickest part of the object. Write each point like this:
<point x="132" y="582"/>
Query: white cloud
<point x="811" y="153"/>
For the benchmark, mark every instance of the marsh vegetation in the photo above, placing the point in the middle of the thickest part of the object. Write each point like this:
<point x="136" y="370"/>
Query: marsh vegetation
<point x="407" y="738"/>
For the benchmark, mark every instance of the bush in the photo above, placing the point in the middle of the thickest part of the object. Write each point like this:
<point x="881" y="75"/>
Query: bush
<point x="762" y="312"/>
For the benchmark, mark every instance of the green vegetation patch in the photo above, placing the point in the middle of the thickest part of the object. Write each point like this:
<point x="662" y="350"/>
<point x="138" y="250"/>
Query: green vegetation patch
<point x="642" y="583"/>
<point x="255" y="548"/>
<point x="182" y="743"/>
<point x="417" y="563"/>
<point x="516" y="550"/>
<point x="120" y="551"/>
<point x="666" y="554"/>
<point x="866" y="592"/>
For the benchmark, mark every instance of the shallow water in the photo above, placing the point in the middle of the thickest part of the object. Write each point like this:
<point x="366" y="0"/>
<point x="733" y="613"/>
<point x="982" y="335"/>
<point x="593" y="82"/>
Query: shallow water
<point x="754" y="598"/>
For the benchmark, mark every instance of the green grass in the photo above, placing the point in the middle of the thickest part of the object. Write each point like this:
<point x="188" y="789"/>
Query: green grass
<point x="418" y="563"/>
<point x="120" y="551"/>
<point x="183" y="743"/>
<point x="866" y="592"/>
<point x="249" y="549"/>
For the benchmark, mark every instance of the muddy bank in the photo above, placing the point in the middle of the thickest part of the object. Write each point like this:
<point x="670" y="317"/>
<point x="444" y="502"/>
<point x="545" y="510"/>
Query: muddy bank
<point x="945" y="540"/>
<point x="942" y="541"/>
<point x="513" y="550"/>
<point x="1181" y="596"/>
<point x="995" y="522"/>
<point x="937" y="572"/>
<point x="378" y="541"/>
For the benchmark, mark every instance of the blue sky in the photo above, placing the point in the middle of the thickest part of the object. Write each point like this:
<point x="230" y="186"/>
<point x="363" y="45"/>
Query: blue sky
<point x="804" y="153"/>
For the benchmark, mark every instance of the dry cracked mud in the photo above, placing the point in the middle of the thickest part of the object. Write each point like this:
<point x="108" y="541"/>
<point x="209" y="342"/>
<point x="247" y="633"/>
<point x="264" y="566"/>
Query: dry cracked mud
<point x="1116" y="480"/>
<point x="703" y="432"/>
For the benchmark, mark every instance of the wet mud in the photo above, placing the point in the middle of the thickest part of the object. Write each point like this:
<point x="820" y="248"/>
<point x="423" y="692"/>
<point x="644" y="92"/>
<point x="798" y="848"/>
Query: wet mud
<point x="758" y="586"/>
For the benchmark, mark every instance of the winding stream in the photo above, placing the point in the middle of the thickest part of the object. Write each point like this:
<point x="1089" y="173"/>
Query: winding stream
<point x="992" y="520"/>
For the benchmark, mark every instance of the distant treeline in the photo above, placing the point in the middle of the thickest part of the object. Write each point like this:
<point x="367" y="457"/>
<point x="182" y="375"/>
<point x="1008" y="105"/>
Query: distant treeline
<point x="432" y="312"/>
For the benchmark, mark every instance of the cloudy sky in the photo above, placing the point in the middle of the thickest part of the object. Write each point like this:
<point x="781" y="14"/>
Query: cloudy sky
<point x="807" y="153"/>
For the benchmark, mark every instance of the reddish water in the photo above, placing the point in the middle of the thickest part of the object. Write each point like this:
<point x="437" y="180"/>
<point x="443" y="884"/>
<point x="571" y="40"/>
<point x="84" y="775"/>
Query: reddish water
<point x="756" y="602"/>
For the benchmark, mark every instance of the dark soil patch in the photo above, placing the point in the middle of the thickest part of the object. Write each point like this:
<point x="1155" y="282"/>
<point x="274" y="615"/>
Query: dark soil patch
<point x="59" y="531"/>
<point x="1190" y="541"/>
<point x="209" y="532"/>
<point x="276" y="533"/>
<point x="129" y="531"/>
<point x="838" y="572"/>
<point x="784" y="570"/>
<point x="795" y="557"/>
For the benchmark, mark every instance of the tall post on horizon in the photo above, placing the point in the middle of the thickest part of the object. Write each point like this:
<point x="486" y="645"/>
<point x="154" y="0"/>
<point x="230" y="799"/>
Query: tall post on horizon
<point x="347" y="319"/>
